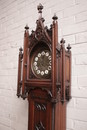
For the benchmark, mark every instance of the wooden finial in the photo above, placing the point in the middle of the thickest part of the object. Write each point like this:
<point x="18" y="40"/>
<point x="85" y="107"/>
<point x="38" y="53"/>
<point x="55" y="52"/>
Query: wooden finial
<point x="26" y="27"/>
<point x="20" y="49"/>
<point x="20" y="52"/>
<point x="54" y="17"/>
<point x="40" y="7"/>
<point x="62" y="41"/>
<point x="68" y="47"/>
<point x="51" y="27"/>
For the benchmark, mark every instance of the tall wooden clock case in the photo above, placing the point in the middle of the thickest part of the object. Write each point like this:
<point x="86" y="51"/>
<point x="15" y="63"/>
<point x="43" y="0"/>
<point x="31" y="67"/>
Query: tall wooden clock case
<point x="44" y="76"/>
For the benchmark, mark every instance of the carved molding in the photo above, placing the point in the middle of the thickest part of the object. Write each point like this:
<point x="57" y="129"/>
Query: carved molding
<point x="40" y="106"/>
<point x="37" y="96"/>
<point x="41" y="34"/>
<point x="68" y="97"/>
<point x="39" y="126"/>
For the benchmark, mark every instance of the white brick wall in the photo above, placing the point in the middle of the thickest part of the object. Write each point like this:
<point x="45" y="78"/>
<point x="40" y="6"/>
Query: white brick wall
<point x="14" y="15"/>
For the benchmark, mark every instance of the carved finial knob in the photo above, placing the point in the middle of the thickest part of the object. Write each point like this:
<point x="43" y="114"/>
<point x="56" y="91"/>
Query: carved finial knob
<point x="68" y="47"/>
<point x="26" y="27"/>
<point x="62" y="41"/>
<point x="51" y="27"/>
<point x="54" y="17"/>
<point x="20" y="49"/>
<point x="20" y="52"/>
<point x="40" y="7"/>
<point x="32" y="31"/>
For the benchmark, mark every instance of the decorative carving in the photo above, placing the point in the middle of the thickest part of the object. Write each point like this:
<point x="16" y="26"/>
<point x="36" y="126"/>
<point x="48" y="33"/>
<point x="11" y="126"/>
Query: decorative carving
<point x="31" y="75"/>
<point x="40" y="7"/>
<point x="39" y="126"/>
<point x="36" y="96"/>
<point x="25" y="95"/>
<point x="21" y="53"/>
<point x="54" y="17"/>
<point x="19" y="72"/>
<point x="62" y="41"/>
<point x="58" y="51"/>
<point x="19" y="93"/>
<point x="26" y="27"/>
<point x="41" y="34"/>
<point x="43" y="107"/>
<point x="68" y="47"/>
<point x="26" y="30"/>
<point x="40" y="106"/>
<point x="68" y="97"/>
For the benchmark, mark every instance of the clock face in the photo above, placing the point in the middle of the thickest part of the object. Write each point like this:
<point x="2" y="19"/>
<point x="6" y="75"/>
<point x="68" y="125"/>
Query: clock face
<point x="41" y="64"/>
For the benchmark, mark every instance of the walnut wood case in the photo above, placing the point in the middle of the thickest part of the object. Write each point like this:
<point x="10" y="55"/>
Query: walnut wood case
<point x="47" y="95"/>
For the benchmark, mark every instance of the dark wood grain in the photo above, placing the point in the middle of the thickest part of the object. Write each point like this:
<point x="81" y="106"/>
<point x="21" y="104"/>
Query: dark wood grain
<point x="26" y="39"/>
<point x="47" y="96"/>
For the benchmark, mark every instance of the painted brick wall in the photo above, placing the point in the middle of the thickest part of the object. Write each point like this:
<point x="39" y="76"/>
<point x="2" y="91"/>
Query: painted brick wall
<point x="14" y="15"/>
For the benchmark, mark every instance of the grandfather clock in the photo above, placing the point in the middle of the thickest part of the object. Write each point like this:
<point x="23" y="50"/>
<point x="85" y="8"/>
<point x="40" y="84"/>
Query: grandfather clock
<point x="44" y="76"/>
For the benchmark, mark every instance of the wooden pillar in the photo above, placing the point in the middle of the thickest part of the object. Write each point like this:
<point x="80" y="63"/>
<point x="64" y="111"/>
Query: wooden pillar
<point x="19" y="83"/>
<point x="54" y="44"/>
<point x="26" y="39"/>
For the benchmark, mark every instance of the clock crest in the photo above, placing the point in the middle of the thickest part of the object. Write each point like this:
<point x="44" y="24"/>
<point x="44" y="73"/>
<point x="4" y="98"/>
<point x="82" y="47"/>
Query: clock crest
<point x="44" y="75"/>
